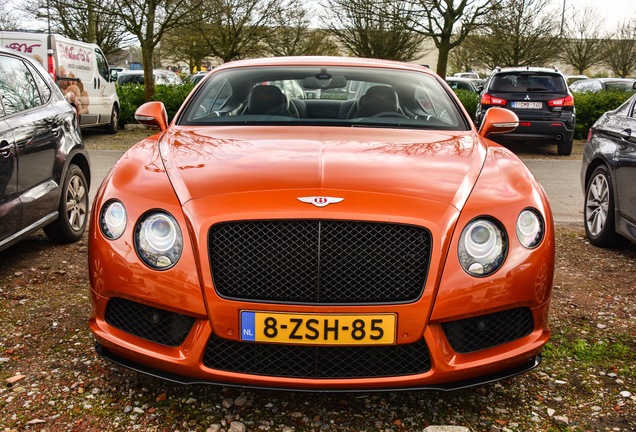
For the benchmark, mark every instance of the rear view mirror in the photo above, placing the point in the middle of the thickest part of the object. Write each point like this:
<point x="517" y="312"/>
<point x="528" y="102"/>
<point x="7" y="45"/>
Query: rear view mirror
<point x="324" y="81"/>
<point x="153" y="115"/>
<point x="498" y="120"/>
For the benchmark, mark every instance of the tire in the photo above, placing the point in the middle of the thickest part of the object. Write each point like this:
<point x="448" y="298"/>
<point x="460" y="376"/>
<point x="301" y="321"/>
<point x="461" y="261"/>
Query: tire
<point x="564" y="148"/>
<point x="111" y="127"/>
<point x="73" y="209"/>
<point x="598" y="212"/>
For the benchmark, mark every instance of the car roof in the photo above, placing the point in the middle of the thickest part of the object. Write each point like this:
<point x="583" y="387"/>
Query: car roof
<point x="141" y="72"/>
<point x="526" y="68"/>
<point x="19" y="54"/>
<point x="614" y="79"/>
<point x="460" y="79"/>
<point x="324" y="61"/>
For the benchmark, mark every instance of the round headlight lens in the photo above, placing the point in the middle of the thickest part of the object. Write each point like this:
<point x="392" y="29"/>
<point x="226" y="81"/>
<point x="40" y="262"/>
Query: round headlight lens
<point x="158" y="240"/>
<point x="530" y="228"/>
<point x="482" y="247"/>
<point x="112" y="219"/>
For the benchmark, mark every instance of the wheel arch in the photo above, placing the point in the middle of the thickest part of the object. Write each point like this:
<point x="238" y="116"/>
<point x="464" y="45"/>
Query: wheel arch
<point x="81" y="160"/>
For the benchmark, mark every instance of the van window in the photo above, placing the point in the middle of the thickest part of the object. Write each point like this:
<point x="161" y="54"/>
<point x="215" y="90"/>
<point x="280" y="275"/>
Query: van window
<point x="17" y="86"/>
<point x="102" y="65"/>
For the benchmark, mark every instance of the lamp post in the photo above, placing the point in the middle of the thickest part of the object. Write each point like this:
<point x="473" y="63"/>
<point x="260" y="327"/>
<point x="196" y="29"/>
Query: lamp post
<point x="562" y="18"/>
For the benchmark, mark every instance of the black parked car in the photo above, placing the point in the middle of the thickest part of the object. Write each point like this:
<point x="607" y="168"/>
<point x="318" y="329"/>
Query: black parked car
<point x="44" y="167"/>
<point x="608" y="175"/>
<point x="464" y="84"/>
<point x="540" y="98"/>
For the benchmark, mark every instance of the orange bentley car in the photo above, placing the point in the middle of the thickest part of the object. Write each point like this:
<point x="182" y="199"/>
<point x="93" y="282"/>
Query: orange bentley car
<point x="321" y="223"/>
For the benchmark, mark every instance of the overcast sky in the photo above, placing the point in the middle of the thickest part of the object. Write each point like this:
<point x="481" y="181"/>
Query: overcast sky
<point x="614" y="11"/>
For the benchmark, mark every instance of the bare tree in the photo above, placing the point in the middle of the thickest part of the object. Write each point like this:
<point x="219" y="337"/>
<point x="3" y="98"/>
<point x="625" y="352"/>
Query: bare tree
<point x="238" y="28"/>
<point x="584" y="39"/>
<point x="7" y="19"/>
<point x="464" y="57"/>
<point x="620" y="55"/>
<point x="79" y="20"/>
<point x="186" y="44"/>
<point x="149" y="21"/>
<point x="293" y="35"/>
<point x="524" y="33"/>
<point x="374" y="28"/>
<point x="448" y="23"/>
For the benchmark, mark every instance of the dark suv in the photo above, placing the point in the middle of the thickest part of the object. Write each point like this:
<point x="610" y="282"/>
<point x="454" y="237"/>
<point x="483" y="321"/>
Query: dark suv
<point x="540" y="98"/>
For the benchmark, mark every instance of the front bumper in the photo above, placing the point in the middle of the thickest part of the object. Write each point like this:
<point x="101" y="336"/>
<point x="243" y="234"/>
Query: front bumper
<point x="522" y="368"/>
<point x="449" y="355"/>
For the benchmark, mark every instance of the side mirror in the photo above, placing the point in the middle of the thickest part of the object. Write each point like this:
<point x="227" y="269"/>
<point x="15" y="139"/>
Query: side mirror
<point x="113" y="76"/>
<point x="153" y="115"/>
<point x="498" y="120"/>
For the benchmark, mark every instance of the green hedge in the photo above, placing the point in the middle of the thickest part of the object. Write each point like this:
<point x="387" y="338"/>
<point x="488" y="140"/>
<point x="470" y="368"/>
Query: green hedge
<point x="131" y="96"/>
<point x="589" y="106"/>
<point x="469" y="99"/>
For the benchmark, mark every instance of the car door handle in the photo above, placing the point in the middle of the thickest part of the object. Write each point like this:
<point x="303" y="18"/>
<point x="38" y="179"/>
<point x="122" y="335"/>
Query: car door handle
<point x="5" y="149"/>
<point x="627" y="135"/>
<point x="57" y="131"/>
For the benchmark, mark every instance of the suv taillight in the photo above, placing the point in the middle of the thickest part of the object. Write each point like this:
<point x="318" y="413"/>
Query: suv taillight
<point x="487" y="99"/>
<point x="562" y="102"/>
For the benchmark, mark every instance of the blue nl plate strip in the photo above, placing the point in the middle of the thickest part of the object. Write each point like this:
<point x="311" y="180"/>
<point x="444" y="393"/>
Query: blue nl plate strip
<point x="248" y="326"/>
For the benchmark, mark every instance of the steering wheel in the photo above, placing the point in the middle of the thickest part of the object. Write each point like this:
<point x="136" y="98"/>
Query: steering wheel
<point x="389" y="114"/>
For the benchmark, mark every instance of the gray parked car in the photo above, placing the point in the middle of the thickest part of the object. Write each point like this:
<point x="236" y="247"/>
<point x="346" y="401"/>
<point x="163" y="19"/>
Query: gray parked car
<point x="44" y="167"/>
<point x="601" y="84"/>
<point x="608" y="175"/>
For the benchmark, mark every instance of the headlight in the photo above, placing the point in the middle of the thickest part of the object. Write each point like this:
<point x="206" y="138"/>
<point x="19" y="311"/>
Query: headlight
<point x="482" y="247"/>
<point x="112" y="219"/>
<point x="158" y="240"/>
<point x="530" y="229"/>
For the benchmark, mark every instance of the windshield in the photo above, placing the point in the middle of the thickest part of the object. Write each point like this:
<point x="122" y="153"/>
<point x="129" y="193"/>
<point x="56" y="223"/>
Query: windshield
<point x="329" y="96"/>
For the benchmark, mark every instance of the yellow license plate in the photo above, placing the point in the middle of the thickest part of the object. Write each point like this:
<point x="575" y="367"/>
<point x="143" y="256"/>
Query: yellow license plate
<point x="324" y="329"/>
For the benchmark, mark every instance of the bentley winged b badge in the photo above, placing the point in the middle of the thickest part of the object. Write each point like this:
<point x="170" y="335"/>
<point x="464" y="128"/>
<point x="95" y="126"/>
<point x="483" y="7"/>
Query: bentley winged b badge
<point x="320" y="201"/>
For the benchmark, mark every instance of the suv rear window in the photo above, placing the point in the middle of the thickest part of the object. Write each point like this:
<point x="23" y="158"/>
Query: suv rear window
<point x="528" y="82"/>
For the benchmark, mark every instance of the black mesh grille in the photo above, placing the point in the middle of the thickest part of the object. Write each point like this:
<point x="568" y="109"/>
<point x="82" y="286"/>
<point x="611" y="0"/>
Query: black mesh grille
<point x="474" y="334"/>
<point x="301" y="361"/>
<point x="156" y="325"/>
<point x="312" y="261"/>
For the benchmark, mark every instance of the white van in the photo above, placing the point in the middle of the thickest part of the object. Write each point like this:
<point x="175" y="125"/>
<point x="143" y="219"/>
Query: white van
<point x="80" y="69"/>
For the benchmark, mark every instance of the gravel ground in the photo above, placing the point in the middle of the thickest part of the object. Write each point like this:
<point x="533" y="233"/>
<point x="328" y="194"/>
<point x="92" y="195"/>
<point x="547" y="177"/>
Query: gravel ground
<point x="52" y="380"/>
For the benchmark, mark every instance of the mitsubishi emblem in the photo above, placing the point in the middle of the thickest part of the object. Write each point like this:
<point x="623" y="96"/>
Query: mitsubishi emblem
<point x="320" y="201"/>
<point x="527" y="97"/>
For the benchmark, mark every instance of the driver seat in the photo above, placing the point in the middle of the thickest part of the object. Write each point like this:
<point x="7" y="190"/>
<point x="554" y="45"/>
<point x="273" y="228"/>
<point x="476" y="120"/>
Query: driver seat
<point x="376" y="100"/>
<point x="269" y="100"/>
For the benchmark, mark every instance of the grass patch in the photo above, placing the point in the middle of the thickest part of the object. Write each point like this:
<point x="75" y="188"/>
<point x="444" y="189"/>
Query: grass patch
<point x="615" y="354"/>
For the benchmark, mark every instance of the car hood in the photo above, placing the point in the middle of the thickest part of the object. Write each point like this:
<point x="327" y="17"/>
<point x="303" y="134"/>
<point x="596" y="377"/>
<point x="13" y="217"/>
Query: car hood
<point x="432" y="165"/>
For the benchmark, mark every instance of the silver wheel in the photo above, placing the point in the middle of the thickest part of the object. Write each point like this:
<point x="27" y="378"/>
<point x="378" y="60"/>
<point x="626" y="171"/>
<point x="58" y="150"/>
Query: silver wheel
<point x="597" y="204"/>
<point x="76" y="203"/>
<point x="73" y="208"/>
<point x="600" y="223"/>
